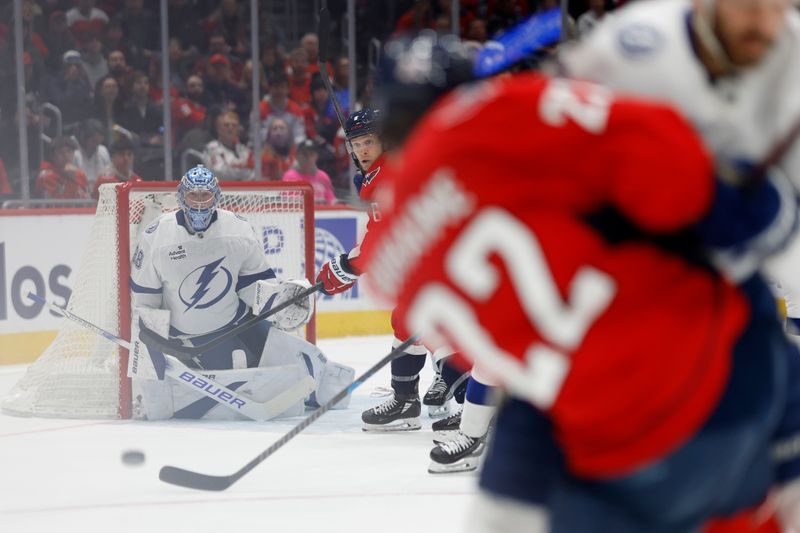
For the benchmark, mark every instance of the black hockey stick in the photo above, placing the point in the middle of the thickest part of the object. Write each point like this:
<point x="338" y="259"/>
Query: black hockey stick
<point x="178" y="349"/>
<point x="323" y="31"/>
<point x="196" y="480"/>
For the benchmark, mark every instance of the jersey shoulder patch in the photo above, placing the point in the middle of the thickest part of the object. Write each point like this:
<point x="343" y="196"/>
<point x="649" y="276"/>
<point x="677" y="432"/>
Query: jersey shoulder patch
<point x="152" y="227"/>
<point x="637" y="40"/>
<point x="240" y="217"/>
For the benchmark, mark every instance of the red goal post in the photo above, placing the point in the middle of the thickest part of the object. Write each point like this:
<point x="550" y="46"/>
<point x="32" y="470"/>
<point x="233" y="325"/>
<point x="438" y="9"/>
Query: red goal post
<point x="83" y="376"/>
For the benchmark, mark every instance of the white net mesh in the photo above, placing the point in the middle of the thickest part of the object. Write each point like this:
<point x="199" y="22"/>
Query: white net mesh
<point x="78" y="375"/>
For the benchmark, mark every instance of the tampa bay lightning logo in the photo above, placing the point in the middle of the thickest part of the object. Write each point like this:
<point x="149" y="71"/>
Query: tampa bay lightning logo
<point x="639" y="40"/>
<point x="205" y="285"/>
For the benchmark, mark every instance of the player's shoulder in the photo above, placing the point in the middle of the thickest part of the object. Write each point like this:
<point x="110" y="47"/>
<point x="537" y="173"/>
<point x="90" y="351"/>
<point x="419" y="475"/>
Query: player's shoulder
<point x="163" y="228"/>
<point x="643" y="29"/>
<point x="233" y="224"/>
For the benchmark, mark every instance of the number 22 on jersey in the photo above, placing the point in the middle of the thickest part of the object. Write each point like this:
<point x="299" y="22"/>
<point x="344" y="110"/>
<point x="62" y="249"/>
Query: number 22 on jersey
<point x="562" y="322"/>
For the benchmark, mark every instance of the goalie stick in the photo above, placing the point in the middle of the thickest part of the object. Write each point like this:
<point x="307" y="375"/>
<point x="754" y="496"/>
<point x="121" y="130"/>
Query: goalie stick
<point x="181" y="351"/>
<point x="323" y="30"/>
<point x="196" y="381"/>
<point x="196" y="480"/>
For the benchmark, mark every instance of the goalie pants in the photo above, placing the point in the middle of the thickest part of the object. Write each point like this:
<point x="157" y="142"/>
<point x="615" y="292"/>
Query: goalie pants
<point x="726" y="466"/>
<point x="251" y="341"/>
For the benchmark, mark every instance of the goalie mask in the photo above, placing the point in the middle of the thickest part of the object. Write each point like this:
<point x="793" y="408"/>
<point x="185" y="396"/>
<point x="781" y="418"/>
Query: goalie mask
<point x="198" y="195"/>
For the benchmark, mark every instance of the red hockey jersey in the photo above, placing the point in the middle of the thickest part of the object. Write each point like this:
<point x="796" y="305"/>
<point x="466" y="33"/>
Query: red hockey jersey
<point x="488" y="243"/>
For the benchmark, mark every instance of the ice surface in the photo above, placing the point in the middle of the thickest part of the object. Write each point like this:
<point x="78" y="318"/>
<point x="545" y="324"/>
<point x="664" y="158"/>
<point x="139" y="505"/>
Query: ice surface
<point x="66" y="475"/>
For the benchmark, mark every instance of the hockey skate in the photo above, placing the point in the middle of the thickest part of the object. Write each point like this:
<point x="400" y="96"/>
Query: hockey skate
<point x="437" y="398"/>
<point x="446" y="429"/>
<point x="395" y="414"/>
<point x="462" y="454"/>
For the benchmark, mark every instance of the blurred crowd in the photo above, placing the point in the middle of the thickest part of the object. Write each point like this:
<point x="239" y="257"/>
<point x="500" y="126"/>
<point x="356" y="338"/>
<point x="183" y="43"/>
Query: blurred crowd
<point x="94" y="91"/>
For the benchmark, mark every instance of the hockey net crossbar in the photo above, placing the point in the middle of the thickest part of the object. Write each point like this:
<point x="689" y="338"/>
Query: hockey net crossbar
<point x="81" y="375"/>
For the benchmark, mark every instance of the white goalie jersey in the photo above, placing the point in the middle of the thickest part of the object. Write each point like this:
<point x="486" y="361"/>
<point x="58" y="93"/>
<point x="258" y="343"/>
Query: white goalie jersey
<point x="203" y="278"/>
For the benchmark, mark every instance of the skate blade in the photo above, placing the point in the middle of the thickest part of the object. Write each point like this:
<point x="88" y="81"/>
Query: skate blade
<point x="439" y="411"/>
<point x="467" y="464"/>
<point x="407" y="424"/>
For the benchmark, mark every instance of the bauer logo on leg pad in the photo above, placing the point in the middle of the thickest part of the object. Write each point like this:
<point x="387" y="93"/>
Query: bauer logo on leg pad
<point x="221" y="394"/>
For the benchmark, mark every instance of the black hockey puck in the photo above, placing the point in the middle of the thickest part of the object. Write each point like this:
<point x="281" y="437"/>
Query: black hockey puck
<point x="133" y="458"/>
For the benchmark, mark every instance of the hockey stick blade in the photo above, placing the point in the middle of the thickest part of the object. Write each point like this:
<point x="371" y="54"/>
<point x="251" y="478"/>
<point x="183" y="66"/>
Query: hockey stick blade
<point x="178" y="349"/>
<point x="199" y="481"/>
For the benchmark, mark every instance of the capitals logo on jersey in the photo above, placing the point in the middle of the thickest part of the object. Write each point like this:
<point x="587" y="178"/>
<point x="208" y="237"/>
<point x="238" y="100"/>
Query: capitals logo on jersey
<point x="205" y="285"/>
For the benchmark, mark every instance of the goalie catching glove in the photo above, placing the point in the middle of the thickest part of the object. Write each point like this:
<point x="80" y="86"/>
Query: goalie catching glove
<point x="269" y="294"/>
<point x="337" y="275"/>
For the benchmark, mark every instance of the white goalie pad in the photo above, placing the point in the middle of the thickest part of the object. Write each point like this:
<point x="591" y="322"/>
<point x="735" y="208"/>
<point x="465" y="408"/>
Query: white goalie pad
<point x="277" y="292"/>
<point x="282" y="348"/>
<point x="163" y="400"/>
<point x="140" y="363"/>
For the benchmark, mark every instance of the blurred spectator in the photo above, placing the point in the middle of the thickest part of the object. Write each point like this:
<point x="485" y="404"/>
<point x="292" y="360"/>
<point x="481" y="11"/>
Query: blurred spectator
<point x="217" y="45"/>
<point x="504" y="14"/>
<point x="69" y="90"/>
<point x="120" y="169"/>
<point x="183" y="18"/>
<point x="57" y="38"/>
<point x="319" y="125"/>
<point x="310" y="43"/>
<point x="85" y="17"/>
<point x="189" y="111"/>
<point x="5" y="187"/>
<point x="476" y="31"/>
<point x="226" y="156"/>
<point x="419" y="17"/>
<point x="181" y="62"/>
<point x="107" y="103"/>
<point x="91" y="156"/>
<point x="58" y="176"/>
<point x="277" y="105"/>
<point x="228" y="19"/>
<point x="341" y="88"/>
<point x="247" y="83"/>
<point x="299" y="77"/>
<point x="220" y="90"/>
<point x="140" y="115"/>
<point x="590" y="19"/>
<point x="305" y="169"/>
<point x="92" y="58"/>
<point x="156" y="92"/>
<point x="140" y="29"/>
<point x="279" y="150"/>
<point x="272" y="63"/>
<point x="119" y="69"/>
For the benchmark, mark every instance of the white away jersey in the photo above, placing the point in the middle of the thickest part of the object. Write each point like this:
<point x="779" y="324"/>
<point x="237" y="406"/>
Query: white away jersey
<point x="645" y="49"/>
<point x="198" y="277"/>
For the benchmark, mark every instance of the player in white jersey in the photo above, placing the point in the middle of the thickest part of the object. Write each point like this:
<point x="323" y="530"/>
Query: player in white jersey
<point x="731" y="66"/>
<point x="206" y="268"/>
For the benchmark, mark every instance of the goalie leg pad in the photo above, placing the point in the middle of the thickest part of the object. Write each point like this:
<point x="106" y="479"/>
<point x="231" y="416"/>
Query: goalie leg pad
<point x="334" y="379"/>
<point x="282" y="348"/>
<point x="141" y="363"/>
<point x="259" y="384"/>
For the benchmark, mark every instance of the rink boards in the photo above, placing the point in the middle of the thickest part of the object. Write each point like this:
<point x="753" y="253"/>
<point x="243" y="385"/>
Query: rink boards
<point x="40" y="252"/>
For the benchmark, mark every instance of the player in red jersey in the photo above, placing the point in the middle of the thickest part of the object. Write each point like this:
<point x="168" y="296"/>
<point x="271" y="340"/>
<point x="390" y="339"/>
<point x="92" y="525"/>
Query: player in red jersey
<point x="402" y="411"/>
<point x="572" y="260"/>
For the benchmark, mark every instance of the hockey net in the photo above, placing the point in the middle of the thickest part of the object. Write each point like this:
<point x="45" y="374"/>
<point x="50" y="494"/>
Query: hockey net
<point x="82" y="375"/>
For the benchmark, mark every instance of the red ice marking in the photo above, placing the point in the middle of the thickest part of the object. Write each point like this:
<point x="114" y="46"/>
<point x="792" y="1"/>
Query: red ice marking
<point x="33" y="431"/>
